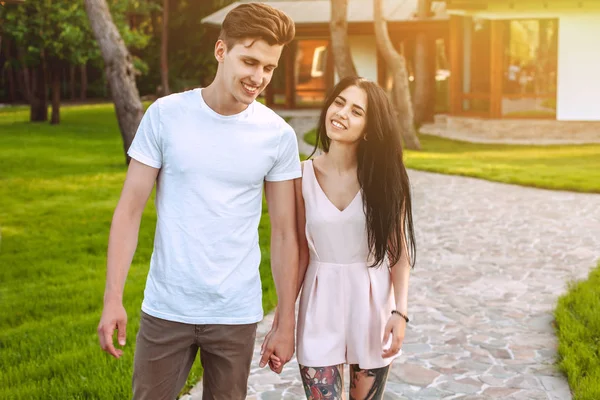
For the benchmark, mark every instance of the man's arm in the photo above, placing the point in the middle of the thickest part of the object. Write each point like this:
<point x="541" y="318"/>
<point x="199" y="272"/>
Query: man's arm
<point x="122" y="243"/>
<point x="303" y="254"/>
<point x="284" y="266"/>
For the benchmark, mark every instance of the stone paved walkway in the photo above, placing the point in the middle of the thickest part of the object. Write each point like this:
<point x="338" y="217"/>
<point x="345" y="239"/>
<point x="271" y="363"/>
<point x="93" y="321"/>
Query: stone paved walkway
<point x="492" y="260"/>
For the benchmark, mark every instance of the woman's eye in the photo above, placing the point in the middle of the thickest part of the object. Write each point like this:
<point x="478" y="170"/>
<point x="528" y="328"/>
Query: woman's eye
<point x="357" y="113"/>
<point x="339" y="103"/>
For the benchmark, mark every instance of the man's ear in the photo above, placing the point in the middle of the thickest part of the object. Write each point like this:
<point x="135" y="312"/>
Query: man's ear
<point x="220" y="50"/>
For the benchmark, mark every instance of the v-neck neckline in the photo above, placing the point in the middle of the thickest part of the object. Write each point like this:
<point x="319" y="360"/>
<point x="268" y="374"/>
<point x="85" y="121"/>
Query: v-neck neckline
<point x="325" y="194"/>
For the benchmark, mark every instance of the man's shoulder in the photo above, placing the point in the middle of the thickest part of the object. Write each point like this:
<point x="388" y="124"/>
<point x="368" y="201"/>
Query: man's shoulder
<point x="264" y="114"/>
<point x="176" y="100"/>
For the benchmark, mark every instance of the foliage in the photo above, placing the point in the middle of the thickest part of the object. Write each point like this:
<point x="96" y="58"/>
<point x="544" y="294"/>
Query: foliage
<point x="191" y="46"/>
<point x="60" y="29"/>
<point x="578" y="331"/>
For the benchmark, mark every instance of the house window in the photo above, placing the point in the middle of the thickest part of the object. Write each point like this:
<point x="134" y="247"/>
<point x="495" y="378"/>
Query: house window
<point x="310" y="71"/>
<point x="530" y="68"/>
<point x="318" y="64"/>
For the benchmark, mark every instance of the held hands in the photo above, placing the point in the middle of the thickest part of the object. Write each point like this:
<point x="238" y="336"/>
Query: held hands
<point x="395" y="327"/>
<point x="278" y="347"/>
<point x="113" y="317"/>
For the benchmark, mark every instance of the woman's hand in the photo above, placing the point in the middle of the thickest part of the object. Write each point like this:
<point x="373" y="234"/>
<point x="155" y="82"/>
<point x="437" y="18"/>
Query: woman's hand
<point x="395" y="327"/>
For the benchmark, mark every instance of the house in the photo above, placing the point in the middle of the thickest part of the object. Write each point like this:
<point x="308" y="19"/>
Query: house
<point x="306" y="70"/>
<point x="525" y="67"/>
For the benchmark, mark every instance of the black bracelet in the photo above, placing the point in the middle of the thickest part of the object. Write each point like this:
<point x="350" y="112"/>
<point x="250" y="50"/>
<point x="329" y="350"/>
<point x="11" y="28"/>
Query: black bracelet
<point x="400" y="314"/>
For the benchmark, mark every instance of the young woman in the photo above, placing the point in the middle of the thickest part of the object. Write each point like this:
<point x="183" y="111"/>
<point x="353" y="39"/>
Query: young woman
<point x="356" y="246"/>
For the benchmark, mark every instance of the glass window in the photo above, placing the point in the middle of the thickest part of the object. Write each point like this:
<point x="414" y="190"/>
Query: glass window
<point x="530" y="68"/>
<point x="311" y="71"/>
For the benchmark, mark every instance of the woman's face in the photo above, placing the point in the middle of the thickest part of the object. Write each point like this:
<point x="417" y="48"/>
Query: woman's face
<point x="346" y="117"/>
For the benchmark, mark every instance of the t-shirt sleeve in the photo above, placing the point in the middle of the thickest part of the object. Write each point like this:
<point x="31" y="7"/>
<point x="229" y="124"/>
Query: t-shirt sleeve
<point x="287" y="165"/>
<point x="146" y="147"/>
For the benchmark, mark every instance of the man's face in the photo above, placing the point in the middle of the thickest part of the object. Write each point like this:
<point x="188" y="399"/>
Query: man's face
<point x="247" y="67"/>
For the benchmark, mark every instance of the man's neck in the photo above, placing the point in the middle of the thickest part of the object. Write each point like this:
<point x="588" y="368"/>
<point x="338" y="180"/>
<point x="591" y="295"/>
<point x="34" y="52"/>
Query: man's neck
<point x="220" y="100"/>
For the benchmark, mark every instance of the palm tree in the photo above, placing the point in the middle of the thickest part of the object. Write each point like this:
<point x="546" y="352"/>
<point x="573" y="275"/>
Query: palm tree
<point x="339" y="39"/>
<point x="400" y="91"/>
<point x="119" y="70"/>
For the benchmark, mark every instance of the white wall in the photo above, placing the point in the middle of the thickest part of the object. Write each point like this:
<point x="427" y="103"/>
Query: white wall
<point x="364" y="55"/>
<point x="578" y="96"/>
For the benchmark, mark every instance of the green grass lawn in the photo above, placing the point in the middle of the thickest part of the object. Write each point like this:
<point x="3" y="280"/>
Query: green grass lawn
<point x="572" y="167"/>
<point x="578" y="330"/>
<point x="59" y="186"/>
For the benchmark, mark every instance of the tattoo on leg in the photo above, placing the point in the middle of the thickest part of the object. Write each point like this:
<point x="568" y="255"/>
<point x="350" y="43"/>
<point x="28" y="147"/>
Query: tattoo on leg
<point x="323" y="383"/>
<point x="367" y="384"/>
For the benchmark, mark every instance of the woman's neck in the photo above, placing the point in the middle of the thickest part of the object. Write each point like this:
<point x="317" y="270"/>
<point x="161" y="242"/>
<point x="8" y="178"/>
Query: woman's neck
<point x="341" y="158"/>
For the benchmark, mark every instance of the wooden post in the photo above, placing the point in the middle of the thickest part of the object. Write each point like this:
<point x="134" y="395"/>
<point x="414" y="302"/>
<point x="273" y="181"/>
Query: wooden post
<point x="456" y="71"/>
<point x="269" y="96"/>
<point x="290" y="90"/>
<point x="496" y="67"/>
<point x="329" y="69"/>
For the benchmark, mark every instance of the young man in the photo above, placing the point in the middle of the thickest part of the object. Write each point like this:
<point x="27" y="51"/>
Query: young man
<point x="210" y="151"/>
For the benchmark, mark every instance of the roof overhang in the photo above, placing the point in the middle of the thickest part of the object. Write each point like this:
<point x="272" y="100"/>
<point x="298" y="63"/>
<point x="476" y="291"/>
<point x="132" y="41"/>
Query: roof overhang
<point x="318" y="12"/>
<point x="475" y="5"/>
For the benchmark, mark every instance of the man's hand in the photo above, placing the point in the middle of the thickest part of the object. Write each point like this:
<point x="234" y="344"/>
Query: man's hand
<point x="274" y="361"/>
<point x="113" y="317"/>
<point x="278" y="348"/>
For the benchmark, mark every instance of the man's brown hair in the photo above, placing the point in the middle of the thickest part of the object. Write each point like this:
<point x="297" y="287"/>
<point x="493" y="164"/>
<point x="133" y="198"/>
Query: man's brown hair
<point x="259" y="21"/>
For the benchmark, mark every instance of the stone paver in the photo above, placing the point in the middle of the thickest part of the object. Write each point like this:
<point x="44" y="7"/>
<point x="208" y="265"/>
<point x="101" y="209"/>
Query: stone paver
<point x="492" y="260"/>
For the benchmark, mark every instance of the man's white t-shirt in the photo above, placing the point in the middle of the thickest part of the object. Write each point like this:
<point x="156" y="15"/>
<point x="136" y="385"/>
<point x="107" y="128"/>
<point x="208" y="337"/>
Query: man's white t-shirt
<point x="205" y="264"/>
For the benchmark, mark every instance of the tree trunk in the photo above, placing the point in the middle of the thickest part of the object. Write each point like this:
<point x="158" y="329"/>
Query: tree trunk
<point x="397" y="65"/>
<point x="10" y="77"/>
<point x="119" y="70"/>
<point x="424" y="101"/>
<point x="339" y="39"/>
<point x="164" y="59"/>
<point x="55" y="72"/>
<point x="72" y="81"/>
<point x="39" y="100"/>
<point x="26" y="75"/>
<point x="84" y="82"/>
<point x="10" y="71"/>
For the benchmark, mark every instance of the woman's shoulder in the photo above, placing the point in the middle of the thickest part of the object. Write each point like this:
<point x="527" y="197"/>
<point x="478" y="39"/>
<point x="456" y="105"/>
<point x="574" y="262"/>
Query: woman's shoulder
<point x="304" y="163"/>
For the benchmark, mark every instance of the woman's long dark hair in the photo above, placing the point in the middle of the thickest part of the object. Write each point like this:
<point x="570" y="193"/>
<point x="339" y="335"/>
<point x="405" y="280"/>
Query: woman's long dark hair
<point x="381" y="174"/>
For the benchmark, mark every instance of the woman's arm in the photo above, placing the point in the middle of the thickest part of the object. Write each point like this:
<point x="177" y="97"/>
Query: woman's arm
<point x="400" y="277"/>
<point x="396" y="325"/>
